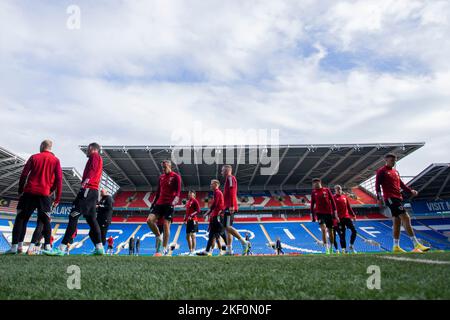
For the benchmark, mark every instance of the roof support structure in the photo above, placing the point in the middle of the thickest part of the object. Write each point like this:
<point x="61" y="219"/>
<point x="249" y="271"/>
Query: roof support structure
<point x="69" y="186"/>
<point x="337" y="163"/>
<point x="277" y="168"/>
<point x="370" y="165"/>
<point x="10" y="173"/>
<point x="354" y="165"/>
<point x="444" y="185"/>
<point x="299" y="162"/>
<point x="432" y="179"/>
<point x="8" y="159"/>
<point x="12" y="185"/>
<point x="118" y="168"/>
<point x="139" y="169"/>
<point x="314" y="167"/>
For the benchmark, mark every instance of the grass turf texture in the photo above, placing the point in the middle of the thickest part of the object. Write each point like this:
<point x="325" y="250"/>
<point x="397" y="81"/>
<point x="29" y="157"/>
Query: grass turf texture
<point x="285" y="277"/>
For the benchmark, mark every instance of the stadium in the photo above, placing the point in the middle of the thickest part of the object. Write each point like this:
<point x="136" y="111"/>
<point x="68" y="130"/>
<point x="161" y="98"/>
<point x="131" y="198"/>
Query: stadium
<point x="271" y="207"/>
<point x="218" y="159"/>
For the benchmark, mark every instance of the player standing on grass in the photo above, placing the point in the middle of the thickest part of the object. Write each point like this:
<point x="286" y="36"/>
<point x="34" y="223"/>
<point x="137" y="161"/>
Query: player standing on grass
<point x="104" y="213"/>
<point x="388" y="179"/>
<point x="86" y="204"/>
<point x="346" y="216"/>
<point x="167" y="196"/>
<point x="191" y="220"/>
<point x="323" y="208"/>
<point x="231" y="207"/>
<point x="41" y="176"/>
<point x="215" y="227"/>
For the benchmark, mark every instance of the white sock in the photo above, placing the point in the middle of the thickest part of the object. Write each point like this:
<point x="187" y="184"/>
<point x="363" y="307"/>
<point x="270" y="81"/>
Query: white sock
<point x="31" y="247"/>
<point x="99" y="246"/>
<point x="229" y="248"/>
<point x="14" y="247"/>
<point x="414" y="240"/>
<point x="327" y="246"/>
<point x="63" y="247"/>
<point x="396" y="242"/>
<point x="48" y="247"/>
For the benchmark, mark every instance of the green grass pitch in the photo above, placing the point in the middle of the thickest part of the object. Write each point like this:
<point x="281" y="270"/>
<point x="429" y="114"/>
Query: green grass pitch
<point x="285" y="277"/>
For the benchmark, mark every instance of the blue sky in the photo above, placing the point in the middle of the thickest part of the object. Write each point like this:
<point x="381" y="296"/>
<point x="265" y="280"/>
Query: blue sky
<point x="319" y="71"/>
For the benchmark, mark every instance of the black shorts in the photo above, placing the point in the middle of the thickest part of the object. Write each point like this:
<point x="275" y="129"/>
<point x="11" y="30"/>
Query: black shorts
<point x="191" y="227"/>
<point x="29" y="202"/>
<point x="85" y="203"/>
<point x="326" y="219"/>
<point x="215" y="226"/>
<point x="163" y="210"/>
<point x="228" y="219"/>
<point x="396" y="206"/>
<point x="110" y="247"/>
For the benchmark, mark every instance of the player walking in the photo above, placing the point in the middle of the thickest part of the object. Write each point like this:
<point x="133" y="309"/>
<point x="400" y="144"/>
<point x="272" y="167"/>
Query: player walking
<point x="191" y="220"/>
<point x="85" y="204"/>
<point x="388" y="179"/>
<point x="104" y="213"/>
<point x="110" y="250"/>
<point x="323" y="208"/>
<point x="230" y="191"/>
<point x="346" y="216"/>
<point x="215" y="227"/>
<point x="41" y="176"/>
<point x="167" y="196"/>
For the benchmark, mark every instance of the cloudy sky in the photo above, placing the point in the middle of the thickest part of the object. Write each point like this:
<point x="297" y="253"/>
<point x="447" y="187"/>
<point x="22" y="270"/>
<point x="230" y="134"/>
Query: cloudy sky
<point x="135" y="71"/>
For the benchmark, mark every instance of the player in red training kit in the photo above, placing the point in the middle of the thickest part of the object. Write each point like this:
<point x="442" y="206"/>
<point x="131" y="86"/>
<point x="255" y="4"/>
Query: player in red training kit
<point x="231" y="207"/>
<point x="388" y="179"/>
<point x="41" y="176"/>
<point x="167" y="196"/>
<point x="86" y="204"/>
<point x="346" y="216"/>
<point x="191" y="220"/>
<point x="215" y="212"/>
<point x="323" y="208"/>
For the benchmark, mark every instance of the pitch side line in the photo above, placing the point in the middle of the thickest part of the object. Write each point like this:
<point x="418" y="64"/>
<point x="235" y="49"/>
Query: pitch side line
<point x="55" y="229"/>
<point x="175" y="240"/>
<point x="427" y="261"/>
<point x="267" y="236"/>
<point x="128" y="240"/>
<point x="310" y="233"/>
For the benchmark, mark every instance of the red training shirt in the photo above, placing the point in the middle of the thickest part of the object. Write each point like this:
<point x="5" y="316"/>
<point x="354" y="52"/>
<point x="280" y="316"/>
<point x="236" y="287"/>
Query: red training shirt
<point x="344" y="210"/>
<point x="92" y="174"/>
<point x="218" y="204"/>
<point x="168" y="189"/>
<point x="322" y="202"/>
<point x="42" y="175"/>
<point x="192" y="210"/>
<point x="389" y="179"/>
<point x="230" y="191"/>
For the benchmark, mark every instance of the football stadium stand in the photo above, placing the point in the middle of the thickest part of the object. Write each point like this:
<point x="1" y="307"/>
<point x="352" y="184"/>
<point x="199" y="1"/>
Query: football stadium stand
<point x="271" y="206"/>
<point x="11" y="166"/>
<point x="300" y="237"/>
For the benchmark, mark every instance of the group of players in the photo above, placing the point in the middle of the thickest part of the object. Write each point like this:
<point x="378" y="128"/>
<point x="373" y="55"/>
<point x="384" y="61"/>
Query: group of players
<point x="42" y="177"/>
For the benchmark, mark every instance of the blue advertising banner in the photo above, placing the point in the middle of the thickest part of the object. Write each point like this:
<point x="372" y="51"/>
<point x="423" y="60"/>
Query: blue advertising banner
<point x="62" y="210"/>
<point x="424" y="207"/>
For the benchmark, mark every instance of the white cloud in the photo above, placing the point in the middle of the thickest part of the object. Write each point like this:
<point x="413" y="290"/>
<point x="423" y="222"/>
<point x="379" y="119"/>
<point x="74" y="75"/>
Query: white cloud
<point x="138" y="70"/>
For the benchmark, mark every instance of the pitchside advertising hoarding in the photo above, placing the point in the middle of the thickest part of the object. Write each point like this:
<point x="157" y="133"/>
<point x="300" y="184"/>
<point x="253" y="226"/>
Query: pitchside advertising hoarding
<point x="431" y="207"/>
<point x="10" y="206"/>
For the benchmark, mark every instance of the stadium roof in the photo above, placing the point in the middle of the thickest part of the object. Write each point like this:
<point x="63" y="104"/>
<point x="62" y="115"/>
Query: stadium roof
<point x="433" y="182"/>
<point x="11" y="166"/>
<point x="138" y="167"/>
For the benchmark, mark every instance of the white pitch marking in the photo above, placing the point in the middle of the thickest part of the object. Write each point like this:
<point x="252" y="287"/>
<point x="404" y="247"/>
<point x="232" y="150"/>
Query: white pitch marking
<point x="289" y="234"/>
<point x="427" y="261"/>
